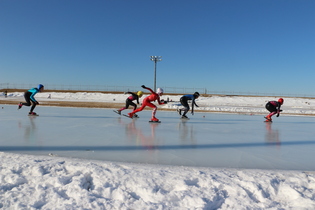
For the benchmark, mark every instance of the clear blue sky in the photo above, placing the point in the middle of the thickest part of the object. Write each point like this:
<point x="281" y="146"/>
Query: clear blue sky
<point x="245" y="45"/>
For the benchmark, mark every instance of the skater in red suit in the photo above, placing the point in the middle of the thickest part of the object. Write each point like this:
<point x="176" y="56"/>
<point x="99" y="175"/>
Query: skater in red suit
<point x="147" y="102"/>
<point x="274" y="108"/>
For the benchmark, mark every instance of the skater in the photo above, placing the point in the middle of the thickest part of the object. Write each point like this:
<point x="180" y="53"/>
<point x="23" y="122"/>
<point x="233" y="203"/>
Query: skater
<point x="129" y="102"/>
<point x="274" y="108"/>
<point x="147" y="102"/>
<point x="30" y="100"/>
<point x="184" y="101"/>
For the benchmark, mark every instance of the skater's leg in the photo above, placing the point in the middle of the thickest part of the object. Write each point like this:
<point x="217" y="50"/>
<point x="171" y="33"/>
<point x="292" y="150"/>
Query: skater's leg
<point x="134" y="106"/>
<point x="186" y="108"/>
<point x="153" y="118"/>
<point x="271" y="114"/>
<point x="27" y="97"/>
<point x="126" y="105"/>
<point x="33" y="106"/>
<point x="144" y="104"/>
<point x="272" y="109"/>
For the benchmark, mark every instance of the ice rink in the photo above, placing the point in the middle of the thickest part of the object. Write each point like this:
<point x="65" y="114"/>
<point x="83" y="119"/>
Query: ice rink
<point x="207" y="139"/>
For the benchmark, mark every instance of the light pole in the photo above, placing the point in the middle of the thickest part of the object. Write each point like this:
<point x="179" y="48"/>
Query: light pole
<point x="155" y="59"/>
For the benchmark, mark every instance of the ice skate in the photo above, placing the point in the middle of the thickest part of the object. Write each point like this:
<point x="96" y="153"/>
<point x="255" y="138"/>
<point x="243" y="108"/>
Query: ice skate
<point x="117" y="111"/>
<point x="185" y="117"/>
<point x="268" y="119"/>
<point x="154" y="120"/>
<point x="20" y="105"/>
<point x="32" y="114"/>
<point x="179" y="111"/>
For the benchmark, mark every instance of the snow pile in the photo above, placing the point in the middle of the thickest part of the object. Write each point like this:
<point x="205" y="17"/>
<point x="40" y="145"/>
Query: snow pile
<point x="29" y="182"/>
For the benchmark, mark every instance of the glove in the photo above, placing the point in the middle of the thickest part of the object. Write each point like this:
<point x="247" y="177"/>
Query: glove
<point x="165" y="102"/>
<point x="280" y="110"/>
<point x="37" y="102"/>
<point x="143" y="86"/>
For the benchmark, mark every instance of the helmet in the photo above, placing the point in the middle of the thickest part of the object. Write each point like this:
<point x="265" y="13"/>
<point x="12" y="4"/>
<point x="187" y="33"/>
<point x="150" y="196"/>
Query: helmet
<point x="280" y="100"/>
<point x="40" y="86"/>
<point x="140" y="93"/>
<point x="159" y="90"/>
<point x="196" y="94"/>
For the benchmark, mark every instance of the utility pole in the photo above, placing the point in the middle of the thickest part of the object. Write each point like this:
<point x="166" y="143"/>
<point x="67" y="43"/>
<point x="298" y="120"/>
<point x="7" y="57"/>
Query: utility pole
<point x="155" y="59"/>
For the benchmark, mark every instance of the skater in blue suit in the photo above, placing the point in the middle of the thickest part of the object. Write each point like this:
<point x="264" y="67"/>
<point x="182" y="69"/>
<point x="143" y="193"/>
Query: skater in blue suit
<point x="184" y="101"/>
<point x="30" y="100"/>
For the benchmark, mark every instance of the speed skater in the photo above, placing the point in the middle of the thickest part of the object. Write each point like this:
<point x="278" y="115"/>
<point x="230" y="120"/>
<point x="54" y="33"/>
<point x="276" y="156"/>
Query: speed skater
<point x="184" y="101"/>
<point x="274" y="108"/>
<point x="130" y="99"/>
<point x="147" y="101"/>
<point x="30" y="100"/>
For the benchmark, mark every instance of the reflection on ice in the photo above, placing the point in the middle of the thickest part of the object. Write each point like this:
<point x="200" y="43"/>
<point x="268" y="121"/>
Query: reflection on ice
<point x="186" y="132"/>
<point x="207" y="139"/>
<point x="272" y="136"/>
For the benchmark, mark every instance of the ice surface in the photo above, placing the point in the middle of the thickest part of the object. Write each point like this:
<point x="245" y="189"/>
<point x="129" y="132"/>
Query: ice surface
<point x="207" y="139"/>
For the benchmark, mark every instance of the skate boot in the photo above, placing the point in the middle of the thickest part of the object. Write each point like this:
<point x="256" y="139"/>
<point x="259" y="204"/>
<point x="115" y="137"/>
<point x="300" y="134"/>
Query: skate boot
<point x="268" y="119"/>
<point x="135" y="116"/>
<point x="118" y="112"/>
<point x="130" y="115"/>
<point x="184" y="117"/>
<point x="32" y="114"/>
<point x="20" y="105"/>
<point x="154" y="119"/>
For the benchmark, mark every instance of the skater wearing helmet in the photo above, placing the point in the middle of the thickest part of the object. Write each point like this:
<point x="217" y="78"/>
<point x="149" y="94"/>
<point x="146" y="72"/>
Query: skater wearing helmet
<point x="129" y="102"/>
<point x="184" y="101"/>
<point x="274" y="108"/>
<point x="30" y="100"/>
<point x="147" y="102"/>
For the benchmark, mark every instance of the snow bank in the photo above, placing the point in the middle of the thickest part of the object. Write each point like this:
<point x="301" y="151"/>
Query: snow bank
<point x="36" y="182"/>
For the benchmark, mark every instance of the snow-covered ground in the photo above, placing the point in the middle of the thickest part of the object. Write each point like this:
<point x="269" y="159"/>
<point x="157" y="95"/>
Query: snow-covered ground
<point x="44" y="182"/>
<point x="36" y="182"/>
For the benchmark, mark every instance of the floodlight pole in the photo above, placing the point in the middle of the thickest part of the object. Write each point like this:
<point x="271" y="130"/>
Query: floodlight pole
<point x="155" y="59"/>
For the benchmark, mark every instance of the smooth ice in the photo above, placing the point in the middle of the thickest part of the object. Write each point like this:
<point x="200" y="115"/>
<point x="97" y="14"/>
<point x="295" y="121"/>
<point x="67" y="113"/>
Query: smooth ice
<point x="207" y="139"/>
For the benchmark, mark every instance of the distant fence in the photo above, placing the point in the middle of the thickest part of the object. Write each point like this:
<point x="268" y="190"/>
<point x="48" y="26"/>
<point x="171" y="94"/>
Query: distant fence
<point x="172" y="90"/>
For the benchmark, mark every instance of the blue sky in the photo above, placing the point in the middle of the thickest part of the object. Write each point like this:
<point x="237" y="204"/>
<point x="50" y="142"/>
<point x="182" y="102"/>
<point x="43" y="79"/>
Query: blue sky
<point x="222" y="45"/>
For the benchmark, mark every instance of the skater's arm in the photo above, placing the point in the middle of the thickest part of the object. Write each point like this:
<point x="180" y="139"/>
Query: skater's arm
<point x="33" y="91"/>
<point x="193" y="103"/>
<point x="135" y="96"/>
<point x="148" y="89"/>
<point x="161" y="101"/>
<point x="278" y="110"/>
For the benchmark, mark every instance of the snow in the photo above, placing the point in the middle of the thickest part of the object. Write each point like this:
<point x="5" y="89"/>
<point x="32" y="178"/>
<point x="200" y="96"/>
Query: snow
<point x="52" y="182"/>
<point x="36" y="182"/>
